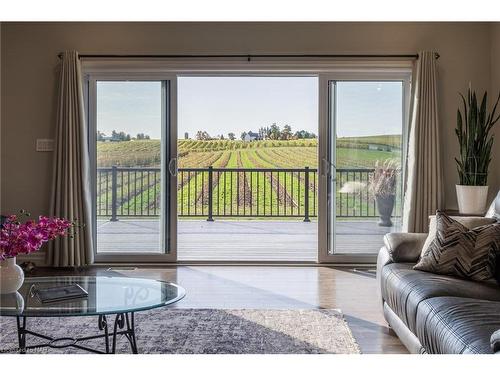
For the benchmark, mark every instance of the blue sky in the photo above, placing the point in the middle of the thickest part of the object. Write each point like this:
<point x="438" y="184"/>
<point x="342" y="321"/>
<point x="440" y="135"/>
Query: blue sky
<point x="223" y="104"/>
<point x="220" y="105"/>
<point x="132" y="107"/>
<point x="369" y="108"/>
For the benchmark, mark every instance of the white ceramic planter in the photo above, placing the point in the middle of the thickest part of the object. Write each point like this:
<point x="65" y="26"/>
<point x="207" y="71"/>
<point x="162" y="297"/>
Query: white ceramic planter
<point x="472" y="199"/>
<point x="11" y="276"/>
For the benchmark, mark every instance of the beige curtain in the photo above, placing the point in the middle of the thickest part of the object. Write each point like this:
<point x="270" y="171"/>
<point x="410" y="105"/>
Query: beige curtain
<point x="424" y="183"/>
<point x="71" y="188"/>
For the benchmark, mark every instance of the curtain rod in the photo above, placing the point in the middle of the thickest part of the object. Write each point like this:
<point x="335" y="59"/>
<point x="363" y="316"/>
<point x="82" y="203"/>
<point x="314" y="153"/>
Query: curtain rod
<point x="249" y="57"/>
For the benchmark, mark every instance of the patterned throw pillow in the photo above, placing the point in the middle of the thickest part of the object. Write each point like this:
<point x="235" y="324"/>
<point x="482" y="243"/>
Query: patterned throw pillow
<point x="459" y="251"/>
<point x="467" y="221"/>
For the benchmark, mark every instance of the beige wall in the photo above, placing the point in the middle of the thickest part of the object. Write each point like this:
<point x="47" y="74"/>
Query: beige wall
<point x="29" y="61"/>
<point x="494" y="90"/>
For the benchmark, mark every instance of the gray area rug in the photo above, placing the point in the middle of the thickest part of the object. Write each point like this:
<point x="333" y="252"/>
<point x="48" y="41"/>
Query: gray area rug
<point x="205" y="331"/>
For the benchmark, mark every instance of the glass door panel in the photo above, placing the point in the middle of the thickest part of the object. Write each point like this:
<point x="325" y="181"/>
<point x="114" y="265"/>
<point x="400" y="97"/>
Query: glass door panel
<point x="366" y="153"/>
<point x="131" y="155"/>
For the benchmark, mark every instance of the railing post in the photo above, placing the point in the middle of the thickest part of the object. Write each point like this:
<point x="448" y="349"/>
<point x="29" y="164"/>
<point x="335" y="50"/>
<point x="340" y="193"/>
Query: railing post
<point x="210" y="194"/>
<point x="113" y="193"/>
<point x="306" y="195"/>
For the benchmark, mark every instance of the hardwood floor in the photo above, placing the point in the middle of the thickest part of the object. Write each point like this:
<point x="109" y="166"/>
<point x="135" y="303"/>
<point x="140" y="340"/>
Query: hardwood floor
<point x="350" y="290"/>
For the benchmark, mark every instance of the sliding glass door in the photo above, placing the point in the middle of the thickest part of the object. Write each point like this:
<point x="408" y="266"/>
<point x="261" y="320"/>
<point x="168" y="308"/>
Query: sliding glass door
<point x="132" y="143"/>
<point x="349" y="177"/>
<point x="363" y="165"/>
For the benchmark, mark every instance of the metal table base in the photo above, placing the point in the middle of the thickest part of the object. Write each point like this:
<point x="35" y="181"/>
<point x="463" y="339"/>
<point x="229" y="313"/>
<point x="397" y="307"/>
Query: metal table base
<point x="123" y="325"/>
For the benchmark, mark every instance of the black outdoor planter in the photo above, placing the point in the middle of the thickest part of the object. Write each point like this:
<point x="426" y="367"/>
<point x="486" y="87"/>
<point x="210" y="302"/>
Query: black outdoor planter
<point x="385" y="205"/>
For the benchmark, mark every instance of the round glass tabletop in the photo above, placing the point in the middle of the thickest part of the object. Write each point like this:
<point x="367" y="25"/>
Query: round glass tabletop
<point x="106" y="295"/>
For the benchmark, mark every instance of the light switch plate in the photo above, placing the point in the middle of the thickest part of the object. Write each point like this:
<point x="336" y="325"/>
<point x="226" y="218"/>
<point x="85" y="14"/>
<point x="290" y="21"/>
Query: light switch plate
<point x="44" y="145"/>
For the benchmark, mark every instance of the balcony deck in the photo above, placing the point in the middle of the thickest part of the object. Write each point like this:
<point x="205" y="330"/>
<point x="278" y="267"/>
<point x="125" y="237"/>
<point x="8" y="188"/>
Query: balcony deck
<point x="241" y="240"/>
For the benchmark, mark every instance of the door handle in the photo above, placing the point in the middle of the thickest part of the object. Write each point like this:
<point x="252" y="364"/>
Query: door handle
<point x="327" y="167"/>
<point x="172" y="167"/>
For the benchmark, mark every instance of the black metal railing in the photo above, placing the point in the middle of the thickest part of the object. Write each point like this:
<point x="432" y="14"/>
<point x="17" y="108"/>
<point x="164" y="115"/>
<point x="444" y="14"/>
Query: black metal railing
<point x="353" y="198"/>
<point x="233" y="192"/>
<point x="128" y="192"/>
<point x="247" y="192"/>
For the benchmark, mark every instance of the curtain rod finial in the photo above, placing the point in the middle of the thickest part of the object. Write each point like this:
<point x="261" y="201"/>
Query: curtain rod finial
<point x="436" y="55"/>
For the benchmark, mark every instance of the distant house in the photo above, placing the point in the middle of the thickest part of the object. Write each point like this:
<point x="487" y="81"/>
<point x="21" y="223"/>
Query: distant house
<point x="251" y="136"/>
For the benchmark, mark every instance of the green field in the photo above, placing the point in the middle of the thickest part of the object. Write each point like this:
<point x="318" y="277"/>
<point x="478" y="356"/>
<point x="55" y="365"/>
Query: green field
<point x="351" y="152"/>
<point x="239" y="193"/>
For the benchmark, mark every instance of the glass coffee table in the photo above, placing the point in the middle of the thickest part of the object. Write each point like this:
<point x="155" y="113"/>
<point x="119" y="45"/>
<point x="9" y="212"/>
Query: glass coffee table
<point x="120" y="297"/>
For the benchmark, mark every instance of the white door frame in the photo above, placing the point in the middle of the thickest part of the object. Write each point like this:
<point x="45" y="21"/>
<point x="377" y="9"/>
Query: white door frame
<point x="168" y="214"/>
<point x="326" y="71"/>
<point x="326" y="165"/>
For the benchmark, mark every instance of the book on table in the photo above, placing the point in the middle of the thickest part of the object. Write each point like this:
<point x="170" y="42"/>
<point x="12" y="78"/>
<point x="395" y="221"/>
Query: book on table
<point x="61" y="293"/>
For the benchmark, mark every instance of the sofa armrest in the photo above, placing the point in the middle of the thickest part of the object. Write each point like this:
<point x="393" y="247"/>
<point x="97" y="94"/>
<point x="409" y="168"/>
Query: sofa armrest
<point x="495" y="341"/>
<point x="398" y="248"/>
<point x="404" y="247"/>
<point x="383" y="259"/>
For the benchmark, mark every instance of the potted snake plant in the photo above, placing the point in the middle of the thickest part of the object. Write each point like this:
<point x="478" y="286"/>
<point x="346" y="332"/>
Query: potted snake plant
<point x="473" y="131"/>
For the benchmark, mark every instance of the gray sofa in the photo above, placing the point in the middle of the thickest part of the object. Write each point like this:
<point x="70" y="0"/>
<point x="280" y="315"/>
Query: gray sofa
<point x="435" y="313"/>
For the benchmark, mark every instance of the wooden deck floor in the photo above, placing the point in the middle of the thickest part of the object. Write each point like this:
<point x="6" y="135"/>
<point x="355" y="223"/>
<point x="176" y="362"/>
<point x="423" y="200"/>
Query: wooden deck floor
<point x="245" y="240"/>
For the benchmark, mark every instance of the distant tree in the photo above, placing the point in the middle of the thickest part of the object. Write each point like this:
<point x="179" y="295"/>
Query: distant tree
<point x="231" y="136"/>
<point x="243" y="135"/>
<point x="119" y="137"/>
<point x="263" y="132"/>
<point x="275" y="131"/>
<point x="186" y="135"/>
<point x="202" y="136"/>
<point x="221" y="136"/>
<point x="142" y="136"/>
<point x="266" y="132"/>
<point x="304" y="134"/>
<point x="100" y="136"/>
<point x="286" y="134"/>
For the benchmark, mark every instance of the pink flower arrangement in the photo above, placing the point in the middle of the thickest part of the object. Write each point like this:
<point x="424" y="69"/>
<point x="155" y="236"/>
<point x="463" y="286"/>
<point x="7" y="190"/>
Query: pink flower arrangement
<point x="24" y="238"/>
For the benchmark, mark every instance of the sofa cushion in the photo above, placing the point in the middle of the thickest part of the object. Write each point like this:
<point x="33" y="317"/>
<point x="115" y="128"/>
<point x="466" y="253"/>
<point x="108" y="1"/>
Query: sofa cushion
<point x="460" y="251"/>
<point x="467" y="221"/>
<point x="456" y="325"/>
<point x="403" y="288"/>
